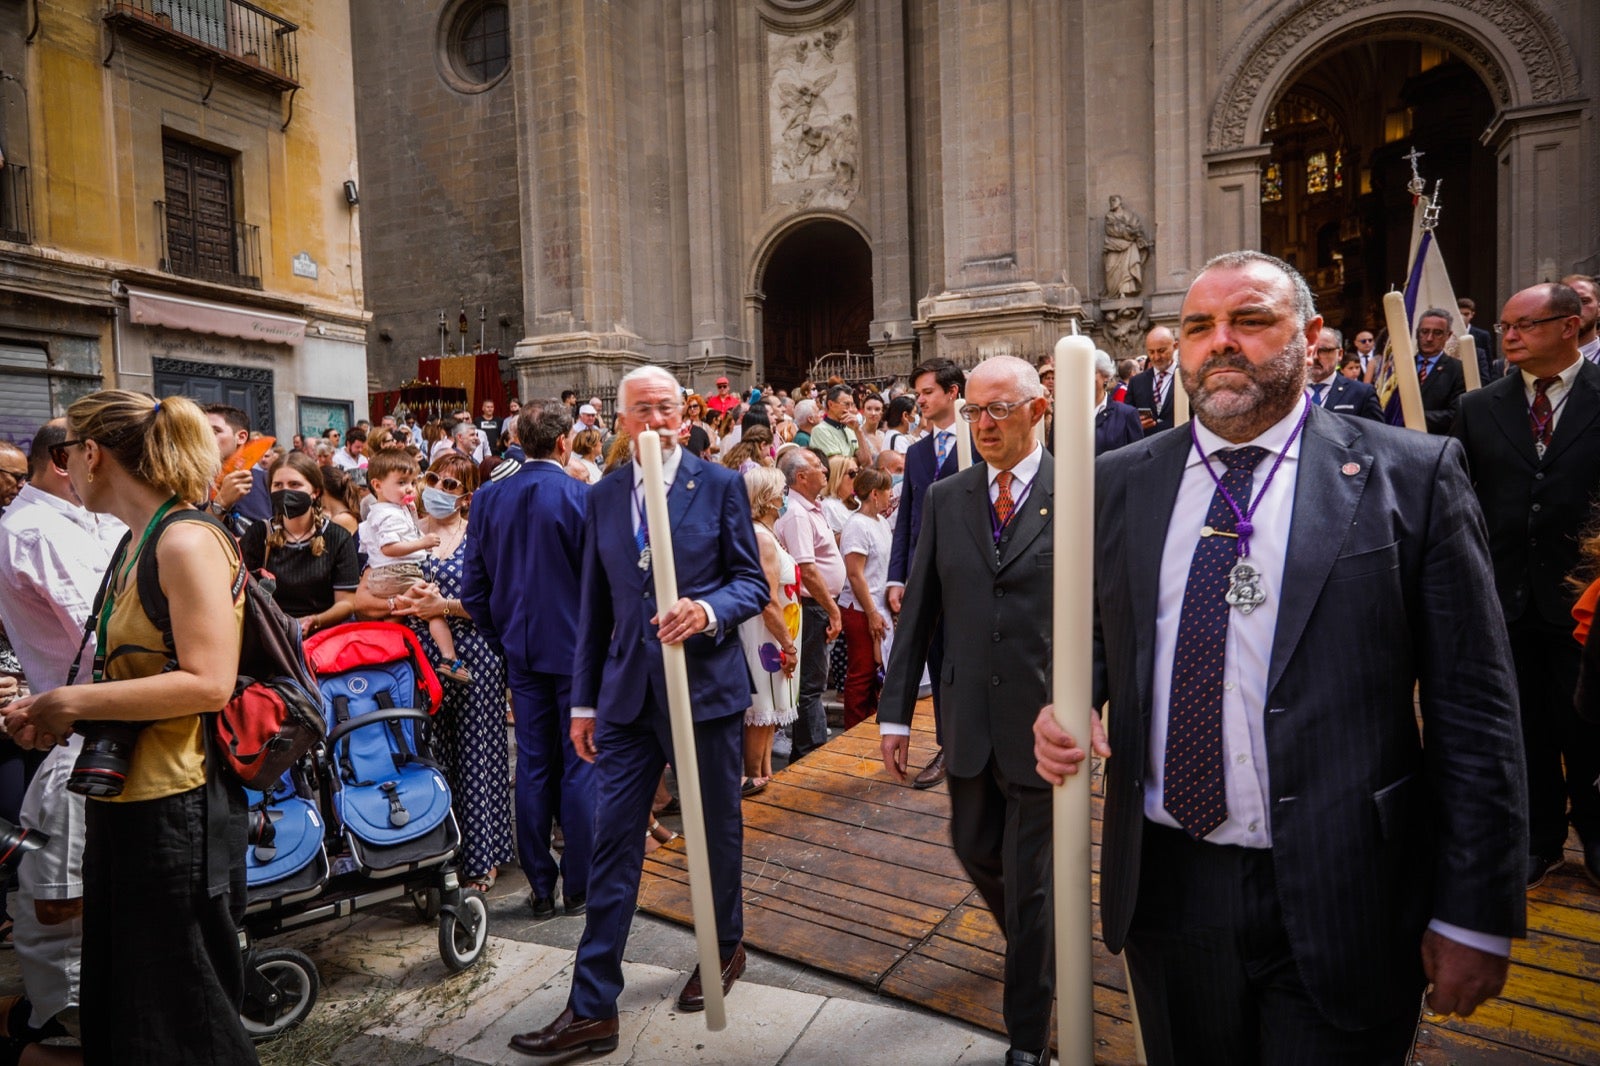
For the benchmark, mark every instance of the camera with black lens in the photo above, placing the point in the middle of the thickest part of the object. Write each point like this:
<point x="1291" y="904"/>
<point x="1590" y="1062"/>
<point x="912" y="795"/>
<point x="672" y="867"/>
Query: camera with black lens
<point x="102" y="767"/>
<point x="15" y="842"/>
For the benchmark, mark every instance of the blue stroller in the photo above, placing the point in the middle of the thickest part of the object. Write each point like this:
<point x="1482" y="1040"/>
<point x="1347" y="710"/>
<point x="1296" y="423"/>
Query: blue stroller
<point x="363" y="820"/>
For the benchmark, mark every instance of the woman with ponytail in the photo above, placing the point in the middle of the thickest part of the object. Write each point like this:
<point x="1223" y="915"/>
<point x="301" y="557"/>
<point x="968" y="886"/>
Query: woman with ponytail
<point x="163" y="863"/>
<point x="312" y="561"/>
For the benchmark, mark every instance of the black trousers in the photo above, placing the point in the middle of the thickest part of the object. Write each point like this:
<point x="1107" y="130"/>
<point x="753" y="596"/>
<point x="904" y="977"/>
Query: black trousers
<point x="810" y="730"/>
<point x="1001" y="834"/>
<point x="1561" y="751"/>
<point x="1214" y="980"/>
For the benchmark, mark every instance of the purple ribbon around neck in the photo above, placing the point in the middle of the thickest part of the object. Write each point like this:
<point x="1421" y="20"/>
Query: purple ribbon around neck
<point x="1241" y="519"/>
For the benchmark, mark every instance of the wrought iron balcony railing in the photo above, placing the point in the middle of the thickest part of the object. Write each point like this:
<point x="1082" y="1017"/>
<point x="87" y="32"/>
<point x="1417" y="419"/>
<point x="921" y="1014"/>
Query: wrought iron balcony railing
<point x="209" y="249"/>
<point x="241" y="39"/>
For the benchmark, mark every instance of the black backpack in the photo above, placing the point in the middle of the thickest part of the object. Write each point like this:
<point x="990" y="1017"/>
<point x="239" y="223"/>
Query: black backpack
<point x="275" y="715"/>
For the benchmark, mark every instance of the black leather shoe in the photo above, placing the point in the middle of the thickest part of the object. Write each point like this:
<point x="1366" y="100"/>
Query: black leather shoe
<point x="1591" y="860"/>
<point x="933" y="773"/>
<point x="693" y="999"/>
<point x="1018" y="1057"/>
<point x="1539" y="866"/>
<point x="543" y="906"/>
<point x="568" y="1032"/>
<point x="576" y="903"/>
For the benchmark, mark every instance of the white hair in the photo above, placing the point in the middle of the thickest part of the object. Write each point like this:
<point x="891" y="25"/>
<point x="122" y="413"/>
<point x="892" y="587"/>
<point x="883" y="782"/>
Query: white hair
<point x="806" y="411"/>
<point x="648" y="372"/>
<point x="1023" y="376"/>
<point x="1103" y="364"/>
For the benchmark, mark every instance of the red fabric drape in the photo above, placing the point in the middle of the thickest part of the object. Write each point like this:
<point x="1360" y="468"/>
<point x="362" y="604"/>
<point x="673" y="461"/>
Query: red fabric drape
<point x="484" y="378"/>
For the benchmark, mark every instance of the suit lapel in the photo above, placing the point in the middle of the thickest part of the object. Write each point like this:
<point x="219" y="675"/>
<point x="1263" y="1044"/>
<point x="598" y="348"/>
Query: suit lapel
<point x="684" y="487"/>
<point x="1325" y="500"/>
<point x="1581" y="406"/>
<point x="975" y="511"/>
<point x="1151" y="491"/>
<point x="1510" y="411"/>
<point x="1034" y="514"/>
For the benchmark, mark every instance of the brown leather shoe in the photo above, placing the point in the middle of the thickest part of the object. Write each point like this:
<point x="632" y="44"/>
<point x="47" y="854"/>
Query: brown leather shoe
<point x="933" y="773"/>
<point x="568" y="1032"/>
<point x="693" y="999"/>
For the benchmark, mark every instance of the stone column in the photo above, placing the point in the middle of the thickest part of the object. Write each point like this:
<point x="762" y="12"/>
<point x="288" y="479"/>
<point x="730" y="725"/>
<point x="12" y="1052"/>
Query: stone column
<point x="1543" y="215"/>
<point x="1233" y="200"/>
<point x="886" y="184"/>
<point x="1178" y="217"/>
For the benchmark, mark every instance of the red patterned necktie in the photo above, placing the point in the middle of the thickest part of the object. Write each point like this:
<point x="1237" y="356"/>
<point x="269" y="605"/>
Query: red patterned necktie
<point x="1541" y="415"/>
<point x="1422" y="369"/>
<point x="1193" y="784"/>
<point x="1002" y="501"/>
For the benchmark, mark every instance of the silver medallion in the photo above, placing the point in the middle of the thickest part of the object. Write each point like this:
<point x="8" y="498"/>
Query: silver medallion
<point x="1244" y="587"/>
<point x="644" y="558"/>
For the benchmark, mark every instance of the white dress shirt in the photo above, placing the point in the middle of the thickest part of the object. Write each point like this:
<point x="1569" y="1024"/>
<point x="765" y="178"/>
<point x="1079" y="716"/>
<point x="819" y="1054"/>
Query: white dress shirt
<point x="1557" y="393"/>
<point x="1591" y="351"/>
<point x="671" y="459"/>
<point x="1247" y="654"/>
<point x="52" y="556"/>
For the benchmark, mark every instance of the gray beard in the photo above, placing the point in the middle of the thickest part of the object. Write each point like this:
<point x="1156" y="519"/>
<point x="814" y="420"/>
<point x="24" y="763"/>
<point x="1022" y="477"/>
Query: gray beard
<point x="1243" y="415"/>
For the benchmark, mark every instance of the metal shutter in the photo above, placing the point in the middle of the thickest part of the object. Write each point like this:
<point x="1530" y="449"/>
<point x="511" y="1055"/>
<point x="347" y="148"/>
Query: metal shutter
<point x="24" y="393"/>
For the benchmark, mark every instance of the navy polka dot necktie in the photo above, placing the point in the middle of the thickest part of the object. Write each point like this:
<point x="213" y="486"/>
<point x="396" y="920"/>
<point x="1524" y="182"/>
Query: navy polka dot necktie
<point x="1193" y="785"/>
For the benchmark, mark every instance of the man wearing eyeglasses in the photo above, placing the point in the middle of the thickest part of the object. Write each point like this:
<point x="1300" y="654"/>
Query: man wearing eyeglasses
<point x="1331" y="390"/>
<point x="982" y="563"/>
<point x="13" y="472"/>
<point x="1533" y="445"/>
<point x="1438" y="373"/>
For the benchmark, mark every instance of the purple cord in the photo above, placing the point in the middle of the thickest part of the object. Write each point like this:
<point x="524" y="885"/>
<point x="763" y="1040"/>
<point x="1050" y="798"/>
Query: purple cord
<point x="1241" y="519"/>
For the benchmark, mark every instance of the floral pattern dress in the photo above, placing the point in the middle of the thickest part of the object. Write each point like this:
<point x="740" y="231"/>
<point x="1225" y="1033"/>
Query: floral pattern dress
<point x="469" y="732"/>
<point x="774" y="698"/>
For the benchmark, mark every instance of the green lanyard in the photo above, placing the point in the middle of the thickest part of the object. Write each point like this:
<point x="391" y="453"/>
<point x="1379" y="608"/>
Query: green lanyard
<point x="110" y="603"/>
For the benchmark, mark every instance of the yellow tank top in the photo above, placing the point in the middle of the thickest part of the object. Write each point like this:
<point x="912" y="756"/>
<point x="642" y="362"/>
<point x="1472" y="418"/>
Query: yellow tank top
<point x="169" y="755"/>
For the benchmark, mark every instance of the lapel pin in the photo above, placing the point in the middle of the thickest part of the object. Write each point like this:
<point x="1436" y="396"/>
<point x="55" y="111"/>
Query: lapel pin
<point x="690" y="485"/>
<point x="1350" y="469"/>
<point x="1044" y="510"/>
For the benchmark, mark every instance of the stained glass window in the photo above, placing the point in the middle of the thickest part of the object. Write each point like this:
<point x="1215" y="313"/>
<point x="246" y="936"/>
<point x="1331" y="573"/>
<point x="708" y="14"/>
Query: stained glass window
<point x="1317" y="172"/>
<point x="1338" y="168"/>
<point x="1272" y="184"/>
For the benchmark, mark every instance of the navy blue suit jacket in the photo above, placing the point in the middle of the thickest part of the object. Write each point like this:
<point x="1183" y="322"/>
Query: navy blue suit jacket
<point x="524" y="550"/>
<point x="1356" y="399"/>
<point x="1117" y="425"/>
<point x="618" y="656"/>
<point x="921" y="458"/>
<point x="1142" y="393"/>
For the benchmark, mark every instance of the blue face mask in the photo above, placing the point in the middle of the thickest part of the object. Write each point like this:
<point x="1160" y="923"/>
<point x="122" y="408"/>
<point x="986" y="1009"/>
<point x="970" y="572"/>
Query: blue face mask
<point x="439" y="504"/>
<point x="896" y="479"/>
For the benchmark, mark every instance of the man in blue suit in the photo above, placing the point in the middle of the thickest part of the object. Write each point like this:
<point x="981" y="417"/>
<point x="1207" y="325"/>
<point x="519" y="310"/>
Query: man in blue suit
<point x="1331" y="390"/>
<point x="619" y="716"/>
<point x="524" y="548"/>
<point x="937" y="384"/>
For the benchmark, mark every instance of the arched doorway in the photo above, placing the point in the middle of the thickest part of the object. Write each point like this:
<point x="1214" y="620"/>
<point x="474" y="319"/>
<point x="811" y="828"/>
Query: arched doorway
<point x="1334" y="199"/>
<point x="818" y="299"/>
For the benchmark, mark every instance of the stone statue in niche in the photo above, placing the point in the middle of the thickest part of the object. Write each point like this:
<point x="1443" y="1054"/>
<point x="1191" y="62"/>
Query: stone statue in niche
<point x="1124" y="329"/>
<point x="1127" y="246"/>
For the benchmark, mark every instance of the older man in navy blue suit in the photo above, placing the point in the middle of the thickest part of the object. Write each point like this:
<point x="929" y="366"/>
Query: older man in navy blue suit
<point x="524" y="550"/>
<point x="938" y="384"/>
<point x="619" y="717"/>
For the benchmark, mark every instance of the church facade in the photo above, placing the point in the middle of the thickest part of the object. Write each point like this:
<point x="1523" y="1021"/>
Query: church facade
<point x="778" y="188"/>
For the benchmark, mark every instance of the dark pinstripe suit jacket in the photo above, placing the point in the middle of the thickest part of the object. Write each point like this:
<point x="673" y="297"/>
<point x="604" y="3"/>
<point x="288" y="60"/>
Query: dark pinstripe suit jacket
<point x="1373" y="832"/>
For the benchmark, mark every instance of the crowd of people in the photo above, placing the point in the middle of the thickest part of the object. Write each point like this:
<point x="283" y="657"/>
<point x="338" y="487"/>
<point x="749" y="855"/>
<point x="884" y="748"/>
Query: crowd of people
<point x="824" y="541"/>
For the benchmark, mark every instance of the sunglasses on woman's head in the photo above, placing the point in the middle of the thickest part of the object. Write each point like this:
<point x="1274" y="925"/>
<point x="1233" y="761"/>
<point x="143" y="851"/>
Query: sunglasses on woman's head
<point x="434" y="481"/>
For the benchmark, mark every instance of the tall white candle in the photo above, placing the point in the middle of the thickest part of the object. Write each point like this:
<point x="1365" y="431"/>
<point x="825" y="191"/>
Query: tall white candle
<point x="685" y="759"/>
<point x="1180" y="399"/>
<point x="1405" y="360"/>
<point x="1072" y="687"/>
<point x="1467" y="349"/>
<point x="963" y="438"/>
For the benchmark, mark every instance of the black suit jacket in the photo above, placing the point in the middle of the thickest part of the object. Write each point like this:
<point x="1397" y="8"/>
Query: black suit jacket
<point x="1373" y="833"/>
<point x="1115" y="426"/>
<point x="1357" y="399"/>
<point x="1142" y="393"/>
<point x="1536" y="509"/>
<point x="1440" y="392"/>
<point x="1484" y="342"/>
<point x="996" y="606"/>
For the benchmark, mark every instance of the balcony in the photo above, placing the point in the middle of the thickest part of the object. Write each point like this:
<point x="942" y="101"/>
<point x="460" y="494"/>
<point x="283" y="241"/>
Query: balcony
<point x="16" y="205"/>
<point x="209" y="249"/>
<point x="236" y="37"/>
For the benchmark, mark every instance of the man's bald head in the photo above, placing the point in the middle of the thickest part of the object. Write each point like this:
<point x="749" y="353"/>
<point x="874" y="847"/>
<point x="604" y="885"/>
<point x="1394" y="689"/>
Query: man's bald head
<point x="13" y="472"/>
<point x="1159" y="347"/>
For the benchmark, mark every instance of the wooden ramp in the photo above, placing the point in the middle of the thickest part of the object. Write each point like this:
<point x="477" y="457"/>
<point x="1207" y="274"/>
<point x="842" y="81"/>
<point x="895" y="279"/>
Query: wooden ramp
<point x="852" y="874"/>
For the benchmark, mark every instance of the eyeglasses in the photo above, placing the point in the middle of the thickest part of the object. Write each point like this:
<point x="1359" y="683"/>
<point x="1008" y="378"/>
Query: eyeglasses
<point x="999" y="410"/>
<point x="434" y="481"/>
<point x="19" y="478"/>
<point x="666" y="409"/>
<point x="1523" y="325"/>
<point x="1430" y="332"/>
<point x="59" y="452"/>
<point x="1327" y="349"/>
<point x="851" y="473"/>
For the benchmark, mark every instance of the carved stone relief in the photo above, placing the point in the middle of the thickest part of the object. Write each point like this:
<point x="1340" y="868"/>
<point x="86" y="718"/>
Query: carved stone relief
<point x="815" y="142"/>
<point x="1123" y="324"/>
<point x="1536" y="42"/>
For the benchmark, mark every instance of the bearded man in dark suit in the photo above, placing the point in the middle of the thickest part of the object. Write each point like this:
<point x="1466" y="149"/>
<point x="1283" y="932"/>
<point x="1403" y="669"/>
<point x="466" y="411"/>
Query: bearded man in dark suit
<point x="1285" y="861"/>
